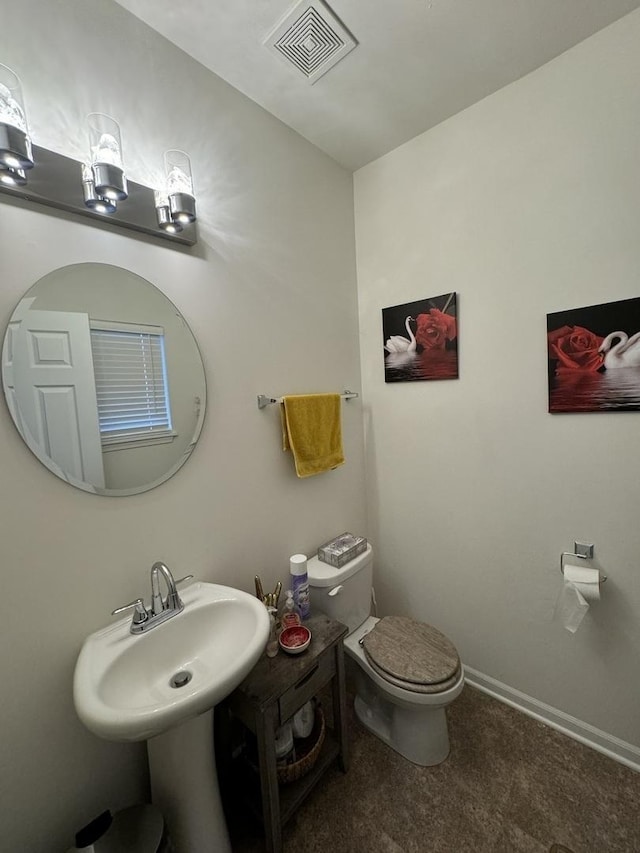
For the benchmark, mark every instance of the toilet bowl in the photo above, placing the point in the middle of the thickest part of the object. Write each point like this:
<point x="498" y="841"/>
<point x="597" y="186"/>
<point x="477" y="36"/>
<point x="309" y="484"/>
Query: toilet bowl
<point x="412" y="723"/>
<point x="406" y="673"/>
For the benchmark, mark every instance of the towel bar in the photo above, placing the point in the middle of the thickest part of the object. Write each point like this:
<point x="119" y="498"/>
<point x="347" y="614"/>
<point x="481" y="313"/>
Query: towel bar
<point x="267" y="401"/>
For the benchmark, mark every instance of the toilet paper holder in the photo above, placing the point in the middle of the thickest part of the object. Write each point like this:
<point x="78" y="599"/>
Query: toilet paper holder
<point x="583" y="552"/>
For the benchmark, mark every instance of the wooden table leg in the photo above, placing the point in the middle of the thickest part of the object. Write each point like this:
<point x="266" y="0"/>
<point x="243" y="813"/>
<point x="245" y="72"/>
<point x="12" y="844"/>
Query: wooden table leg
<point x="340" y="708"/>
<point x="265" y="734"/>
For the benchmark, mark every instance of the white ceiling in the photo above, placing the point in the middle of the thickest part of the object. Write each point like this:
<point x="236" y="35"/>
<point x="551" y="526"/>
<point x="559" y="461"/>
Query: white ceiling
<point x="417" y="61"/>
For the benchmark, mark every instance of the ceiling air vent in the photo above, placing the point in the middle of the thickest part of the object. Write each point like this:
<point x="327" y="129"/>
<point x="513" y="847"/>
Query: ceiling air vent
<point x="311" y="38"/>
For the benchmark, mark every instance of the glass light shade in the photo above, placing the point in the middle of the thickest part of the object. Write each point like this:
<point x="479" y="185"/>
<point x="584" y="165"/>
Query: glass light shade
<point x="105" y="146"/>
<point x="179" y="186"/>
<point x="15" y="143"/>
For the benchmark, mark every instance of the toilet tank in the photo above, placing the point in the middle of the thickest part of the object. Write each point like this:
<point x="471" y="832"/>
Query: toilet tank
<point x="343" y="594"/>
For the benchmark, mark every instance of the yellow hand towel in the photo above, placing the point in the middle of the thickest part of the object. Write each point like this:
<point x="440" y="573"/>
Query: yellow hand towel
<point x="312" y="430"/>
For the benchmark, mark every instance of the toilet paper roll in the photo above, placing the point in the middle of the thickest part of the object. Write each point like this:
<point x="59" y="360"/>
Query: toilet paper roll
<point x="585" y="580"/>
<point x="581" y="586"/>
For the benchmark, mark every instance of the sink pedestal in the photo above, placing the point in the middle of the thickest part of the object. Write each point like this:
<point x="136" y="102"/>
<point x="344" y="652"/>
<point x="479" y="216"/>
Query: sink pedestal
<point x="133" y="687"/>
<point x="184" y="786"/>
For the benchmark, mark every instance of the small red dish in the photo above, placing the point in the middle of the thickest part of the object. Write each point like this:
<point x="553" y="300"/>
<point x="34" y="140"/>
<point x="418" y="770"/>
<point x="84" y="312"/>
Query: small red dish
<point x="295" y="639"/>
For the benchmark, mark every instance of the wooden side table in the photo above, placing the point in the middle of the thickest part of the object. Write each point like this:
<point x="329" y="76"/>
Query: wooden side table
<point x="272" y="692"/>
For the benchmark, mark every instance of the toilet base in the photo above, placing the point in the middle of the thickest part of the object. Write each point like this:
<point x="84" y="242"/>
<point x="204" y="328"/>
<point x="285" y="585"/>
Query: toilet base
<point x="421" y="736"/>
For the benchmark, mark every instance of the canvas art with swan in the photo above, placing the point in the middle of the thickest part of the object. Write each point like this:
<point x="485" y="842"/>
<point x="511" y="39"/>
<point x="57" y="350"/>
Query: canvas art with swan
<point x="594" y="358"/>
<point x="421" y="339"/>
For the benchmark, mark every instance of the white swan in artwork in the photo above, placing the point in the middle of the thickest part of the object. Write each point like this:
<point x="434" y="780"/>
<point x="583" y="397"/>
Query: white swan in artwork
<point x="626" y="353"/>
<point x="398" y="343"/>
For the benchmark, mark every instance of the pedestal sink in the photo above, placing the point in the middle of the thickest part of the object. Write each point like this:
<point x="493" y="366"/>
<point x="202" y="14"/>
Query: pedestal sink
<point x="162" y="686"/>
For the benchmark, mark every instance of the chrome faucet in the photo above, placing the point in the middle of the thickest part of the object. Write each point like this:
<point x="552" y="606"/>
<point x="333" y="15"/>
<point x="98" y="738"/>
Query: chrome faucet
<point x="144" y="619"/>
<point x="172" y="601"/>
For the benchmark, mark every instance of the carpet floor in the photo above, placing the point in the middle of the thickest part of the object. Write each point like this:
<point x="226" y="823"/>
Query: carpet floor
<point x="509" y="785"/>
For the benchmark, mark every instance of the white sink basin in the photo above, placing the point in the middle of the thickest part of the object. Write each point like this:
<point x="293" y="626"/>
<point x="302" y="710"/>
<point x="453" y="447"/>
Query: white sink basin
<point x="123" y="682"/>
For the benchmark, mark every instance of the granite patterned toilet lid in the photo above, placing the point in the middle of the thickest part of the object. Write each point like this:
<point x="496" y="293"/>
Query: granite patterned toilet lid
<point x="403" y="650"/>
<point x="411" y="686"/>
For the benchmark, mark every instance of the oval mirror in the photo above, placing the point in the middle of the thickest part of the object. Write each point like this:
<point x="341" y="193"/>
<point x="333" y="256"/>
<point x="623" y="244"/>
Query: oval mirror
<point x="103" y="379"/>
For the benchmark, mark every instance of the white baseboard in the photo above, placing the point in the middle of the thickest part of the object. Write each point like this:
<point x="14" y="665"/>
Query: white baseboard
<point x="609" y="745"/>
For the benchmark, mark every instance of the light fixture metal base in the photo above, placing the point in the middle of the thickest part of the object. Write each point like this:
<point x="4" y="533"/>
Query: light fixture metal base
<point x="93" y="201"/>
<point x="165" y="221"/>
<point x="109" y="181"/>
<point x="13" y="177"/>
<point x="182" y="207"/>
<point x="16" y="151"/>
<point x="56" y="182"/>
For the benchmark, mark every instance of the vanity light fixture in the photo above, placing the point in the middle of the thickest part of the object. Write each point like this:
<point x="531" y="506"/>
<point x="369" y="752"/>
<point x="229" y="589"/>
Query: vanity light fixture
<point x="176" y="205"/>
<point x="107" y="168"/>
<point x="169" y="215"/>
<point x="16" y="153"/>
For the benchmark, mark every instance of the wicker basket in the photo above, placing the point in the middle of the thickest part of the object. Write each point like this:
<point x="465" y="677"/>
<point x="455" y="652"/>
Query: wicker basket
<point x="308" y="749"/>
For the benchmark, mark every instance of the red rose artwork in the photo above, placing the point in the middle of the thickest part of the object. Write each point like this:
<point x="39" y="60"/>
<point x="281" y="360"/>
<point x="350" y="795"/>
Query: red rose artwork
<point x="421" y="339"/>
<point x="434" y="329"/>
<point x="594" y="358"/>
<point x="575" y="348"/>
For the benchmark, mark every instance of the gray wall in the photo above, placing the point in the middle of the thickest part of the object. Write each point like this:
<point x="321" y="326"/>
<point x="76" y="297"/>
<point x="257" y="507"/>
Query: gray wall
<point x="524" y="204"/>
<point x="270" y="295"/>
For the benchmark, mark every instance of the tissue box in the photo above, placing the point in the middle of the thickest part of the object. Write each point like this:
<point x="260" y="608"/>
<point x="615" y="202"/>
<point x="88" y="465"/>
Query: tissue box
<point x="340" y="550"/>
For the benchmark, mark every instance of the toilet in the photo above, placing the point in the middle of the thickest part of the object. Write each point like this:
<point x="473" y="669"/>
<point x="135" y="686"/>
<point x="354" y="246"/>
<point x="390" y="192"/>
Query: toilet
<point x="407" y="672"/>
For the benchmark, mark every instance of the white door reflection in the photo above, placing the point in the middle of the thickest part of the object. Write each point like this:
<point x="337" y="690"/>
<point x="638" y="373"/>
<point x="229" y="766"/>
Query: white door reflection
<point x="55" y="391"/>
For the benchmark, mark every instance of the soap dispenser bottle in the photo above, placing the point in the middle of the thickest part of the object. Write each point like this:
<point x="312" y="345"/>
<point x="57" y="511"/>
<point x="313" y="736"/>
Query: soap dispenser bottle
<point x="290" y="612"/>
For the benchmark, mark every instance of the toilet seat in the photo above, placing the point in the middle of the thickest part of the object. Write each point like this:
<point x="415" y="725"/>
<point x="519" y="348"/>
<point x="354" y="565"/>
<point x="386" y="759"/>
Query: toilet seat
<point x="412" y="655"/>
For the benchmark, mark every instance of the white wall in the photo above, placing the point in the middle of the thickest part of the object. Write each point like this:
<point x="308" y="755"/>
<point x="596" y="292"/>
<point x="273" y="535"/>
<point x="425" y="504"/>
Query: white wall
<point x="270" y="295"/>
<point x="524" y="204"/>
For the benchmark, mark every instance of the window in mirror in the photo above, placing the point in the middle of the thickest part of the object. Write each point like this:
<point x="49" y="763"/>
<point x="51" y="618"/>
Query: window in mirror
<point x="131" y="383"/>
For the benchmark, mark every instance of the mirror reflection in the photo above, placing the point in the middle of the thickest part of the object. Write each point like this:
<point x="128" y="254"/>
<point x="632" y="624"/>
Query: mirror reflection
<point x="103" y="379"/>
